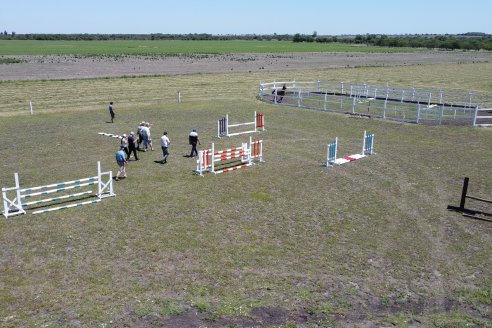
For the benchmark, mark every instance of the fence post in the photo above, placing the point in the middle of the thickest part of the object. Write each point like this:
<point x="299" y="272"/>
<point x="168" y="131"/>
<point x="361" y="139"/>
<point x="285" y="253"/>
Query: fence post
<point x="179" y="96"/>
<point x="341" y="87"/>
<point x="418" y="113"/>
<point x="326" y="94"/>
<point x="475" y="116"/>
<point x="299" y="98"/>
<point x="463" y="193"/>
<point x="30" y="106"/>
<point x="353" y="105"/>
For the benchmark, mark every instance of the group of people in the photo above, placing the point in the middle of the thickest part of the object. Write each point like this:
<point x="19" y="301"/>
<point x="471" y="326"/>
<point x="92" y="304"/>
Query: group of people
<point x="131" y="144"/>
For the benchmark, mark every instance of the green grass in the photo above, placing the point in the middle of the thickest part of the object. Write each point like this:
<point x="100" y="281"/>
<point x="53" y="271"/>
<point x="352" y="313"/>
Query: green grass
<point x="370" y="241"/>
<point x="128" y="92"/>
<point x="166" y="48"/>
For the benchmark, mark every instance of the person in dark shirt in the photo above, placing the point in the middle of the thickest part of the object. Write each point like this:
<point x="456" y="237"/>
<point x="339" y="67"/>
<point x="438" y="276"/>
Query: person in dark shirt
<point x="111" y="111"/>
<point x="193" y="140"/>
<point x="131" y="146"/>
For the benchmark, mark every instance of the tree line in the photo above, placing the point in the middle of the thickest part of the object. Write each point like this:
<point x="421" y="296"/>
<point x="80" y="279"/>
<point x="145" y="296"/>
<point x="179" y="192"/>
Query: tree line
<point x="144" y="37"/>
<point x="467" y="41"/>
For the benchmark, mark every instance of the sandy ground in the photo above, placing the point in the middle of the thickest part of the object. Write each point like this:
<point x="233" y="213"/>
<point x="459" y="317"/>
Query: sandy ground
<point x="73" y="67"/>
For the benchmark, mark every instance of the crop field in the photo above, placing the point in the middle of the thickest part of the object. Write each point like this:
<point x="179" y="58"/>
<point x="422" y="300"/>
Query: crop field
<point x="284" y="243"/>
<point x="169" y="48"/>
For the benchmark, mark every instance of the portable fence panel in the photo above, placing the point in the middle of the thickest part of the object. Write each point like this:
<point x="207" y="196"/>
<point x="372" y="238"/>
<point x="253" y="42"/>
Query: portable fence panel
<point x="429" y="106"/>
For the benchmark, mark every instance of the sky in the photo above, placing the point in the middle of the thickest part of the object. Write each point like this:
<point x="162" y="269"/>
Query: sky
<point x="217" y="17"/>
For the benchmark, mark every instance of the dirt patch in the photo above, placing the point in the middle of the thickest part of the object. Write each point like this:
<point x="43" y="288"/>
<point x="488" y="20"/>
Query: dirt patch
<point x="76" y="67"/>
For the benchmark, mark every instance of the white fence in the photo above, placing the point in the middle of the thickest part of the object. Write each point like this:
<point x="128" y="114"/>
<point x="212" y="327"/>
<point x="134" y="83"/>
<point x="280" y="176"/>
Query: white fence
<point x="434" y="107"/>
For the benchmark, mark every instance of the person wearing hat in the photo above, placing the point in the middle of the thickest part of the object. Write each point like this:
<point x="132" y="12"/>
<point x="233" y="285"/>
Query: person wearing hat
<point x="131" y="146"/>
<point x="124" y="145"/>
<point x="193" y="140"/>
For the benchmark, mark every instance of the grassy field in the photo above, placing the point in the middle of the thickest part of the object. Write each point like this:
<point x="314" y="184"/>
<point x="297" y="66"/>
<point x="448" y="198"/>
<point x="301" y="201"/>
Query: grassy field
<point x="132" y="47"/>
<point x="285" y="243"/>
<point x="128" y="92"/>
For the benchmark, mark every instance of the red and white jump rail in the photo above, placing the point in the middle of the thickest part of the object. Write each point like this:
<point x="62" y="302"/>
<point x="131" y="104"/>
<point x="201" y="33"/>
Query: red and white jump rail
<point x="230" y="159"/>
<point x="223" y="126"/>
<point x="332" y="150"/>
<point x="13" y="198"/>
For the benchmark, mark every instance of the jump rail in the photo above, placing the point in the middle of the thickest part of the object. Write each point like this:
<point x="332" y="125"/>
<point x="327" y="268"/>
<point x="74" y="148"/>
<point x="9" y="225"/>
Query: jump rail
<point x="223" y="126"/>
<point x="13" y="197"/>
<point x="222" y="161"/>
<point x="332" y="151"/>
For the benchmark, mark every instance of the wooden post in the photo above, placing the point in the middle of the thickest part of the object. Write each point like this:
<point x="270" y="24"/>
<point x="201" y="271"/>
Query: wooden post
<point x="463" y="193"/>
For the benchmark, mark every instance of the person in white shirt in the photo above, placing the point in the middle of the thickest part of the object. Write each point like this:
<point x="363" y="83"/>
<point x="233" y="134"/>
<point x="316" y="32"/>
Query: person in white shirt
<point x="165" y="147"/>
<point x="147" y="138"/>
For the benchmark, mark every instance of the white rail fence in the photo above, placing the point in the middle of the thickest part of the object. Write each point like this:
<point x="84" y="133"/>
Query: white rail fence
<point x="435" y="107"/>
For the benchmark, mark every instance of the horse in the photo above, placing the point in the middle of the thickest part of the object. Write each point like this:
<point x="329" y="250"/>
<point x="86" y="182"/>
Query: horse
<point x="279" y="94"/>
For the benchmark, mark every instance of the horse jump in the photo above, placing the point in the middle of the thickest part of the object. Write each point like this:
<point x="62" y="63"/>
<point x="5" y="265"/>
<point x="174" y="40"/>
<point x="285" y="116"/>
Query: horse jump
<point x="230" y="159"/>
<point x="332" y="150"/>
<point x="13" y="198"/>
<point x="223" y="126"/>
<point x="110" y="135"/>
<point x="467" y="211"/>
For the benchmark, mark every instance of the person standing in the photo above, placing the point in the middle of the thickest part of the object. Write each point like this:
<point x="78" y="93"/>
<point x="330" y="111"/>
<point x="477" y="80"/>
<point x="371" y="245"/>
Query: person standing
<point x="124" y="145"/>
<point x="131" y="146"/>
<point x="193" y="140"/>
<point x="165" y="147"/>
<point x="140" y="134"/>
<point x="121" y="160"/>
<point x="111" y="111"/>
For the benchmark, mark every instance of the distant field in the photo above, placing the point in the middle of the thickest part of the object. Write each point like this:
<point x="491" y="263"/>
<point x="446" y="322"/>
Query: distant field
<point x="114" y="48"/>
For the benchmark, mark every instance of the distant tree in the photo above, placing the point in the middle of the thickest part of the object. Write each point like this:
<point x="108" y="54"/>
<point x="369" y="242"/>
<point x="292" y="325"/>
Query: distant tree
<point x="13" y="34"/>
<point x="297" y="38"/>
<point x="315" y="34"/>
<point x="5" y="32"/>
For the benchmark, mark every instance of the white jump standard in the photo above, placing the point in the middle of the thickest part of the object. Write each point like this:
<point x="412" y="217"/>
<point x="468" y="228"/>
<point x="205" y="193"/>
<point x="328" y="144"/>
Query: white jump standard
<point x="332" y="150"/>
<point x="223" y="126"/>
<point x="13" y="203"/>
<point x="231" y="159"/>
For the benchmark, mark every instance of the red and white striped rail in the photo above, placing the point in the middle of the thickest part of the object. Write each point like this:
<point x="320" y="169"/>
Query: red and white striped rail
<point x="231" y="159"/>
<point x="13" y="203"/>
